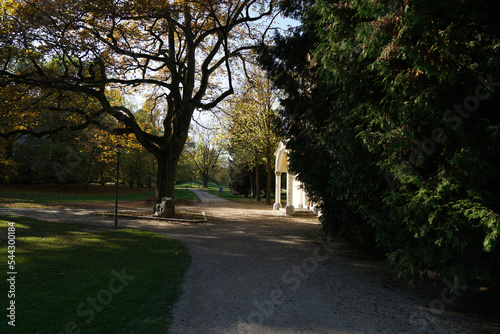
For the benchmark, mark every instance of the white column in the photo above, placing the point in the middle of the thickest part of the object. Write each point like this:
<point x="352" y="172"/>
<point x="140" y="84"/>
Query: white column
<point x="289" y="209"/>
<point x="306" y="201"/>
<point x="300" y="194"/>
<point x="277" y="201"/>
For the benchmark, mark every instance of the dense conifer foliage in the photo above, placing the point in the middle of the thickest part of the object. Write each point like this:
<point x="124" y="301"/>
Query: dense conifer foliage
<point x="393" y="120"/>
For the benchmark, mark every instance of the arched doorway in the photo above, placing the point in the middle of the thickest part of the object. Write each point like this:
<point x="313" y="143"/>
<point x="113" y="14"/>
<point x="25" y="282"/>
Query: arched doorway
<point x="296" y="197"/>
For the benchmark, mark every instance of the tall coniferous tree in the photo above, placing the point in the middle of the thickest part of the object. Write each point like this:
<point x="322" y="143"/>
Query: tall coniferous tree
<point x="400" y="118"/>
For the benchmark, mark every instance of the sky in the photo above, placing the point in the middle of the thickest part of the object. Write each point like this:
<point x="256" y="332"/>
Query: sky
<point x="204" y="118"/>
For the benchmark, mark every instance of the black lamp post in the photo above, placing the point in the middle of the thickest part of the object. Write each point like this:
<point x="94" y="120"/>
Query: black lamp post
<point x="118" y="151"/>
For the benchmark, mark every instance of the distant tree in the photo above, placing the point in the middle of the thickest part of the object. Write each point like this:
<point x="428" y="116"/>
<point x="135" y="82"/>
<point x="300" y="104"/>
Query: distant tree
<point x="204" y="154"/>
<point x="186" y="170"/>
<point x="239" y="178"/>
<point x="252" y="124"/>
<point x="8" y="167"/>
<point x="220" y="173"/>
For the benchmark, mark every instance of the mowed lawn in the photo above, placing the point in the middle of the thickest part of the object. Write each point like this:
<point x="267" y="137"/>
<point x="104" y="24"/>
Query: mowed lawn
<point x="71" y="279"/>
<point x="214" y="188"/>
<point x="19" y="195"/>
<point x="42" y="195"/>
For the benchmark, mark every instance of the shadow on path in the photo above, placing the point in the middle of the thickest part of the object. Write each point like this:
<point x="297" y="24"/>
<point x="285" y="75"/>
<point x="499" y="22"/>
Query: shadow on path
<point x="255" y="272"/>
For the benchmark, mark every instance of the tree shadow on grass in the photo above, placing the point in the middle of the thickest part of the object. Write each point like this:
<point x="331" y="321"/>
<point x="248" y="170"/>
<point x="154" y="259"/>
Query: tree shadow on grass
<point x="115" y="281"/>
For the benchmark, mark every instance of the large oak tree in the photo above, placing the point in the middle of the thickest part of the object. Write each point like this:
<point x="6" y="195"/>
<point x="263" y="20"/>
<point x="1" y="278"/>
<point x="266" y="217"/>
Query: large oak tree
<point x="179" y="53"/>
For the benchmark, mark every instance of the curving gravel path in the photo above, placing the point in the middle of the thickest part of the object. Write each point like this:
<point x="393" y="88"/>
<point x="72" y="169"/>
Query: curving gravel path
<point x="256" y="272"/>
<point x="207" y="198"/>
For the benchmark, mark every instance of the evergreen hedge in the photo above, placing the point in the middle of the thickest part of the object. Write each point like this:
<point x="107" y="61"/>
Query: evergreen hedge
<point x="394" y="127"/>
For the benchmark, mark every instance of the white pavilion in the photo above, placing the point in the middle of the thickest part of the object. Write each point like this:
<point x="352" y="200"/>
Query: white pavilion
<point x="296" y="196"/>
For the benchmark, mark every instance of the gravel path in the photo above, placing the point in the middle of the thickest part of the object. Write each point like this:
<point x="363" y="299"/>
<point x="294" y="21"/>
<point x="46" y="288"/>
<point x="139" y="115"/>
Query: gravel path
<point x="207" y="198"/>
<point x="256" y="272"/>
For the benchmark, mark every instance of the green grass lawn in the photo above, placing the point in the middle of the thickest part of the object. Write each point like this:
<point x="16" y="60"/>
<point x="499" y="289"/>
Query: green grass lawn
<point x="69" y="279"/>
<point x="53" y="194"/>
<point x="186" y="195"/>
<point x="39" y="195"/>
<point x="227" y="194"/>
<point x="214" y="188"/>
<point x="212" y="184"/>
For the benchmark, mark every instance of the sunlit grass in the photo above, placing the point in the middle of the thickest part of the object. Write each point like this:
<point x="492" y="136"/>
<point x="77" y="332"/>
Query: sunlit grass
<point x="60" y="266"/>
<point x="214" y="188"/>
<point x="185" y="195"/>
<point x="197" y="184"/>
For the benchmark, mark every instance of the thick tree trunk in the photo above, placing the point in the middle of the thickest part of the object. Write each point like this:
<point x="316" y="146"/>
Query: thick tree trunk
<point x="176" y="134"/>
<point x="268" y="181"/>
<point x="257" y="181"/>
<point x="165" y="186"/>
<point x="205" y="180"/>
<point x="252" y="184"/>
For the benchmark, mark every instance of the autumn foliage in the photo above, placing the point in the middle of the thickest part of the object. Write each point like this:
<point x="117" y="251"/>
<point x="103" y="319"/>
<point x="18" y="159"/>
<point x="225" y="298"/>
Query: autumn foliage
<point x="86" y="53"/>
